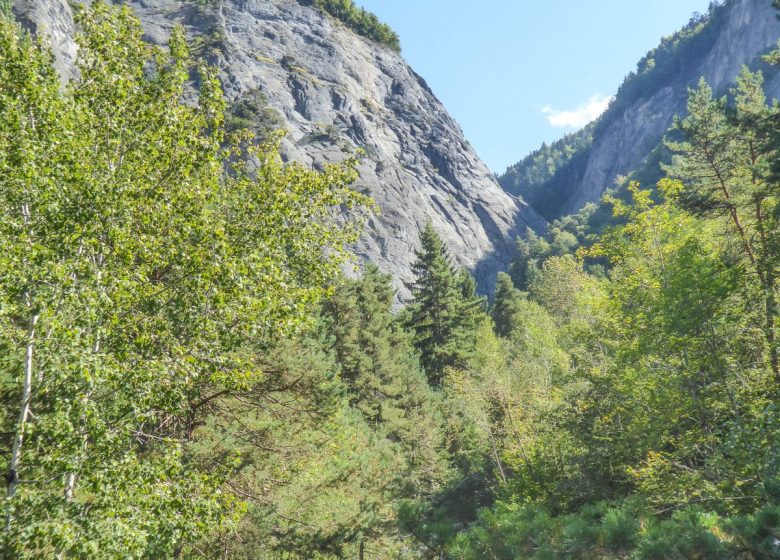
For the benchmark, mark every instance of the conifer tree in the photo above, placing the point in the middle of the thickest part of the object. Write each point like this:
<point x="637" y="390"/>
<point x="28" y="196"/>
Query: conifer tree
<point x="473" y="307"/>
<point x="381" y="369"/>
<point x="506" y="305"/>
<point x="725" y="162"/>
<point x="443" y="313"/>
<point x="530" y="250"/>
<point x="377" y="360"/>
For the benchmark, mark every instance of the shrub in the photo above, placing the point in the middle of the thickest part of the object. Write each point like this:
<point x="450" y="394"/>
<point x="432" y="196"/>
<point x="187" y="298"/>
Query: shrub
<point x="253" y="112"/>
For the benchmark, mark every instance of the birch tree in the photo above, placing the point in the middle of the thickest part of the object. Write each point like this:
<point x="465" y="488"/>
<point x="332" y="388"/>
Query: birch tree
<point x="144" y="264"/>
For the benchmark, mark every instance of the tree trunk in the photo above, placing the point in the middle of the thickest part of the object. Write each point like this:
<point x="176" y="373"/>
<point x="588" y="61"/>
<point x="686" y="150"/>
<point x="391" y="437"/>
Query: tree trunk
<point x="16" y="453"/>
<point x="767" y="278"/>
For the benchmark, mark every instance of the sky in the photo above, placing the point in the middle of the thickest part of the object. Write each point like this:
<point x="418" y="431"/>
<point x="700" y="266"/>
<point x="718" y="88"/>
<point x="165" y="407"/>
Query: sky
<point x="516" y="73"/>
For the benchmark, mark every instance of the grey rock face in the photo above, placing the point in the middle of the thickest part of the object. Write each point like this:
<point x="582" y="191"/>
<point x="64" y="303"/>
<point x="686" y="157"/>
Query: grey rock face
<point x="54" y="20"/>
<point x="338" y="92"/>
<point x="750" y="30"/>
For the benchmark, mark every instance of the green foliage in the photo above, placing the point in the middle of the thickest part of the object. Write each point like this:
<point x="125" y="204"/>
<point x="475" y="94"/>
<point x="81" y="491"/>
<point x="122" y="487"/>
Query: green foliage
<point x="6" y="11"/>
<point x="545" y="178"/>
<point x="210" y="46"/>
<point x="352" y="436"/>
<point x="381" y="369"/>
<point x="561" y="286"/>
<point x="445" y="311"/>
<point x="565" y="236"/>
<point x="185" y="372"/>
<point x="677" y="55"/>
<point x="606" y="531"/>
<point x="143" y="267"/>
<point x="316" y="478"/>
<point x="252" y="112"/>
<point x="507" y="304"/>
<point x="664" y="400"/>
<point x="726" y="162"/>
<point x="328" y="133"/>
<point x="359" y="20"/>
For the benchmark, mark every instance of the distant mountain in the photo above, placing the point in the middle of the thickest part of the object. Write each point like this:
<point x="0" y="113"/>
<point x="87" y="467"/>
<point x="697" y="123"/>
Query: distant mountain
<point x="561" y="178"/>
<point x="334" y="80"/>
<point x="547" y="176"/>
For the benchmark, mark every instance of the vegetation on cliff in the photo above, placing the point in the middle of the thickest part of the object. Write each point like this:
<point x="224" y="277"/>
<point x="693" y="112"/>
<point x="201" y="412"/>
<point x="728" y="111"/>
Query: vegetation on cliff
<point x="546" y="176"/>
<point x="549" y="176"/>
<point x="360" y="21"/>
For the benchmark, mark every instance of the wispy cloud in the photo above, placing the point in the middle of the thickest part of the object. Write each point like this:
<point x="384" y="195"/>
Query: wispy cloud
<point x="579" y="117"/>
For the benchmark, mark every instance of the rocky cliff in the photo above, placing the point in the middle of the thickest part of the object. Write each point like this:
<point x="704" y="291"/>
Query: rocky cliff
<point x="735" y="34"/>
<point x="335" y="92"/>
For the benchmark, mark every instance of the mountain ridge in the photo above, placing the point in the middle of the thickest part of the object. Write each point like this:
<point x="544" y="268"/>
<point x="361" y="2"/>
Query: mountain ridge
<point x="714" y="46"/>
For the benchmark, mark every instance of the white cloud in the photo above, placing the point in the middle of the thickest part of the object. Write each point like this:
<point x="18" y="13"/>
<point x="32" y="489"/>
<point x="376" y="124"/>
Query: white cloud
<point x="579" y="117"/>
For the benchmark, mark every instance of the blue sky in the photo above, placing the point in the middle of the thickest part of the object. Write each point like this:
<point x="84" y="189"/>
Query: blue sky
<point x="515" y="73"/>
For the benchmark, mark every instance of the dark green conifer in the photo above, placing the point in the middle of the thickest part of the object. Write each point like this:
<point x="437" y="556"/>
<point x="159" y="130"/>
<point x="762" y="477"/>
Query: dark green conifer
<point x="382" y="372"/>
<point x="530" y="250"/>
<point x="445" y="310"/>
<point x="506" y="305"/>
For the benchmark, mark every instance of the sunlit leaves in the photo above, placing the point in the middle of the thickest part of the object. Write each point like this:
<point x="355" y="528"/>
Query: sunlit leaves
<point x="161" y="259"/>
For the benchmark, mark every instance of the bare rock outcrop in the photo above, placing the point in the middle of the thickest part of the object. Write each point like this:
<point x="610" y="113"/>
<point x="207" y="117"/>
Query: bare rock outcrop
<point x="336" y="93"/>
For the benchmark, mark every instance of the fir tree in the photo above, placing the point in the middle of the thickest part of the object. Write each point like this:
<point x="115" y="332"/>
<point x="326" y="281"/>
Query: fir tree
<point x="473" y="307"/>
<point x="530" y="250"/>
<point x="506" y="305"/>
<point x="443" y="313"/>
<point x="377" y="360"/>
<point x="381" y="369"/>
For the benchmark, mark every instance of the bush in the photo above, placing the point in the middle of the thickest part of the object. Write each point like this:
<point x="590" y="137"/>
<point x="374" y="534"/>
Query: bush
<point x="5" y="9"/>
<point x="620" y="529"/>
<point x="253" y="112"/>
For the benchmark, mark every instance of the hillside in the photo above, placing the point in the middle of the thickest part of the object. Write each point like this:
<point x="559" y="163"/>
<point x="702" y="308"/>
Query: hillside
<point x="713" y="46"/>
<point x="188" y="372"/>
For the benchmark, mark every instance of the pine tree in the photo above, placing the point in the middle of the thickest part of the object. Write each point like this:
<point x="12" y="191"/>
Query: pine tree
<point x="518" y="269"/>
<point x="382" y="371"/>
<point x="377" y="360"/>
<point x="725" y="163"/>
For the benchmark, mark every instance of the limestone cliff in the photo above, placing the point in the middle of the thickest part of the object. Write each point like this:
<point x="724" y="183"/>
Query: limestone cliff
<point x="336" y="92"/>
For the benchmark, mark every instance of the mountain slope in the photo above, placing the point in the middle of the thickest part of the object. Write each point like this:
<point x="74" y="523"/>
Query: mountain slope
<point x="714" y="46"/>
<point x="334" y="92"/>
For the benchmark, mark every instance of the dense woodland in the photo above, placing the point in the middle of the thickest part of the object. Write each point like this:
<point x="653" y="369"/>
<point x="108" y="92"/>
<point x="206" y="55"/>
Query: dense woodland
<point x="545" y="177"/>
<point x="185" y="372"/>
